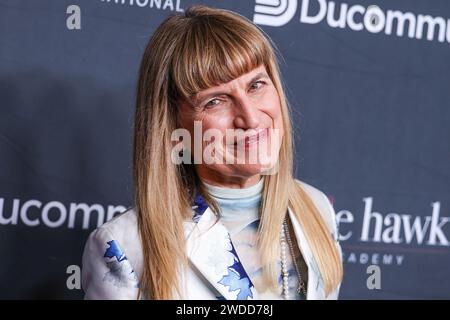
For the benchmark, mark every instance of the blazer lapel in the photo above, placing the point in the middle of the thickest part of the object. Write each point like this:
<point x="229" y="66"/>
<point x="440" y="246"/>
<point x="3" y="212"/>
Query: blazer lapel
<point x="211" y="251"/>
<point x="315" y="288"/>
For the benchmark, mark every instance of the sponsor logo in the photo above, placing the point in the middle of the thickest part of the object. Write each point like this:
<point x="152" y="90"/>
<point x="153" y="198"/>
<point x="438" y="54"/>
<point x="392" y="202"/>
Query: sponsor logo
<point x="354" y="17"/>
<point x="55" y="214"/>
<point x="274" y="13"/>
<point x="386" y="238"/>
<point x="172" y="5"/>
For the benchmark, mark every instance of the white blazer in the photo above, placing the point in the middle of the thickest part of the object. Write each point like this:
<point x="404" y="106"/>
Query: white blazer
<point x="112" y="258"/>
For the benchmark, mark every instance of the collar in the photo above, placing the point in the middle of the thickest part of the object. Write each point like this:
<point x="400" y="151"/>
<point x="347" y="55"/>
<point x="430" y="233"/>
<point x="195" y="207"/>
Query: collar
<point x="211" y="251"/>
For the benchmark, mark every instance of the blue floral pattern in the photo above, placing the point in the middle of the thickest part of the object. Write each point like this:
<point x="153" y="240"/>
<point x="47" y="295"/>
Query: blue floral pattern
<point x="237" y="278"/>
<point x="120" y="273"/>
<point x="199" y="207"/>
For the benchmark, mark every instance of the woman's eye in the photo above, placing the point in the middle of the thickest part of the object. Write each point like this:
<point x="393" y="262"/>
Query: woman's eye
<point x="257" y="85"/>
<point x="212" y="103"/>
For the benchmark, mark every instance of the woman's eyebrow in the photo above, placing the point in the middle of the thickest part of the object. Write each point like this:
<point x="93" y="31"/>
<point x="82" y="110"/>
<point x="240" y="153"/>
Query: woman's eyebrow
<point x="259" y="75"/>
<point x="209" y="95"/>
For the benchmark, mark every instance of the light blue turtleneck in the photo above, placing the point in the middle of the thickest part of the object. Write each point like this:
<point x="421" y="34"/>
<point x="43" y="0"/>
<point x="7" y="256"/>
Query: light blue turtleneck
<point x="240" y="215"/>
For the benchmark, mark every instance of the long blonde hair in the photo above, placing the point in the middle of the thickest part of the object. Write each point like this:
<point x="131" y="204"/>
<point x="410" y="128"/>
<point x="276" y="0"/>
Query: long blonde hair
<point x="187" y="53"/>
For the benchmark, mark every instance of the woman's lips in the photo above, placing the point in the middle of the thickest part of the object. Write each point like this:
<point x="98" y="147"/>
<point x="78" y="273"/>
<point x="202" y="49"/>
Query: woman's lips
<point x="253" y="139"/>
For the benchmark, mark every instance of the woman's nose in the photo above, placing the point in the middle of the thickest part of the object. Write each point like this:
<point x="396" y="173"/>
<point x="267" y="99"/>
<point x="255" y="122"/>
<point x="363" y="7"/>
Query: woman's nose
<point x="247" y="114"/>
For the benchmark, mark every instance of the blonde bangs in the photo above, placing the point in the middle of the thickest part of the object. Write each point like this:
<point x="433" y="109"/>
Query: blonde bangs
<point x="216" y="51"/>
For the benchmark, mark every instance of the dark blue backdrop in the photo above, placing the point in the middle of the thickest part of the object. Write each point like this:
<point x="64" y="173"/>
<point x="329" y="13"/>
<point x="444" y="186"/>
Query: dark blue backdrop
<point x="371" y="107"/>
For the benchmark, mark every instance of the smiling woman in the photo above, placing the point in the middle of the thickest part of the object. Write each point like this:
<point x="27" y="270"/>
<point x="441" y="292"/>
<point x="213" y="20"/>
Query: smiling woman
<point x="207" y="229"/>
<point x="245" y="120"/>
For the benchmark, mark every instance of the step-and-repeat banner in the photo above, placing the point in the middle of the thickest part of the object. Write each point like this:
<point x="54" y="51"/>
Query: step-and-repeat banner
<point x="369" y="82"/>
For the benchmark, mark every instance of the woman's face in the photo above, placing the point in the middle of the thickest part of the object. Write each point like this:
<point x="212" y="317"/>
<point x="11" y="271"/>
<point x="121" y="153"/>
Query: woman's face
<point x="244" y="116"/>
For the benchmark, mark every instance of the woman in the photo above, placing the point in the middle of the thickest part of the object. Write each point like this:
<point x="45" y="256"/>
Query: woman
<point x="202" y="228"/>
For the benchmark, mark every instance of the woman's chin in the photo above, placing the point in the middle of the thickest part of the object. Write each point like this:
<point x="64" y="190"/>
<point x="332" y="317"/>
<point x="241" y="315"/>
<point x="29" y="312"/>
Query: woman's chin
<point x="252" y="169"/>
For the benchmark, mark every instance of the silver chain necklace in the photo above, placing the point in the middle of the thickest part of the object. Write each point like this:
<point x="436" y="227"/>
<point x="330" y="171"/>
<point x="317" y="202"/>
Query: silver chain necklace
<point x="285" y="240"/>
